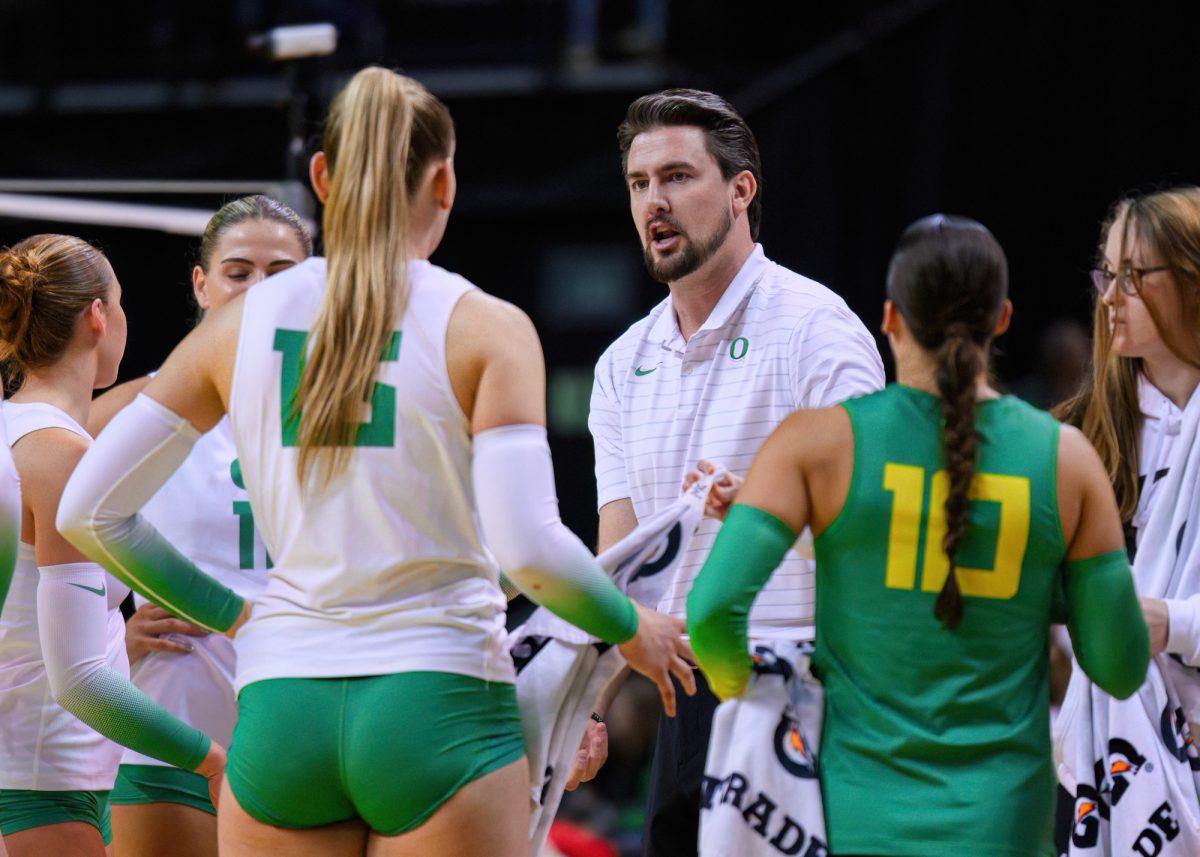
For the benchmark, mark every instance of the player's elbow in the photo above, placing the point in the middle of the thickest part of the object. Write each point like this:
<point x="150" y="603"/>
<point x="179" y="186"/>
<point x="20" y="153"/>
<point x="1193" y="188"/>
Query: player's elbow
<point x="1118" y="669"/>
<point x="69" y="685"/>
<point x="525" y="553"/>
<point x="75" y="519"/>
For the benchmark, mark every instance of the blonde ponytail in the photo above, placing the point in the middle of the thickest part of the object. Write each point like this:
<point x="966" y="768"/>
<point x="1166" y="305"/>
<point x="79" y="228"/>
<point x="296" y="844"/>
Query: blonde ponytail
<point x="382" y="130"/>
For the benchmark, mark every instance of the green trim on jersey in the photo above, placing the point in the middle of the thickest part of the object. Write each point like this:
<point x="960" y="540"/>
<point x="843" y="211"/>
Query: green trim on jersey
<point x="144" y="784"/>
<point x="943" y="734"/>
<point x="25" y="809"/>
<point x="389" y="749"/>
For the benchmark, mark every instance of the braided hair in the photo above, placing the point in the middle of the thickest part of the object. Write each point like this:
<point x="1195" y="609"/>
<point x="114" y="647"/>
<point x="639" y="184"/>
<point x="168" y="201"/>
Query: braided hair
<point x="949" y="280"/>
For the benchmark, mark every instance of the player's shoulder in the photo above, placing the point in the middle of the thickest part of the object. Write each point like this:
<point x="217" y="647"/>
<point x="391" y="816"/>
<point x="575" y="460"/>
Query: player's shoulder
<point x="47" y="456"/>
<point x="1074" y="448"/>
<point x="480" y="311"/>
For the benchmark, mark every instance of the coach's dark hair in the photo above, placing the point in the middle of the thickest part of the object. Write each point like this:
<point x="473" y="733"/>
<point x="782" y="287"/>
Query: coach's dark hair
<point x="949" y="280"/>
<point x="730" y="139"/>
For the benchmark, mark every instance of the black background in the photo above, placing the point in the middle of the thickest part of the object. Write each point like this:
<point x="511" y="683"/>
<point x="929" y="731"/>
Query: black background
<point x="1031" y="116"/>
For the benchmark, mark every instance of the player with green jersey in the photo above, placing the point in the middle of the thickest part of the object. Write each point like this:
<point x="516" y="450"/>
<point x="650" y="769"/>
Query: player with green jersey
<point x="949" y="521"/>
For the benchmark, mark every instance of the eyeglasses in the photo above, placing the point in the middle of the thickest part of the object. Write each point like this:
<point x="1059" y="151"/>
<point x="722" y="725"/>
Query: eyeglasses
<point x="1129" y="280"/>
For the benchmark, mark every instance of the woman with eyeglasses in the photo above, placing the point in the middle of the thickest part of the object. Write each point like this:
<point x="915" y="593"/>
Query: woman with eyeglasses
<point x="1145" y="369"/>
<point x="1145" y="354"/>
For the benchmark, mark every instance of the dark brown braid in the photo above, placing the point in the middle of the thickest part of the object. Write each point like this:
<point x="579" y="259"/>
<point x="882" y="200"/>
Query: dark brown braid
<point x="949" y="280"/>
<point x="959" y="362"/>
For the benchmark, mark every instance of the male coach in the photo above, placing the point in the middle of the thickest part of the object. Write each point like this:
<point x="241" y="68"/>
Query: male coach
<point x="739" y="343"/>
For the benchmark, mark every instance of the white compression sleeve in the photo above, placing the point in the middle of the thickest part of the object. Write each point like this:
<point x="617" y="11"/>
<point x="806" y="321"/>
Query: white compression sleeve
<point x="518" y="509"/>
<point x="98" y="513"/>
<point x="73" y="616"/>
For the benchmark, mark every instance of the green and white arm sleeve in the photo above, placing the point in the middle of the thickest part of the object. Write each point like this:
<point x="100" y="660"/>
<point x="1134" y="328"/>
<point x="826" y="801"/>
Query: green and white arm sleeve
<point x="10" y="514"/>
<point x="748" y="548"/>
<point x="518" y="511"/>
<point x="98" y="513"/>
<point x="73" y="626"/>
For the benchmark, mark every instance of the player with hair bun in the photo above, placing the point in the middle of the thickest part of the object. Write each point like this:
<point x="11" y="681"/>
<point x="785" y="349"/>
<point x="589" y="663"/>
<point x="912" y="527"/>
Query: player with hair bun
<point x="946" y="518"/>
<point x="66" y="702"/>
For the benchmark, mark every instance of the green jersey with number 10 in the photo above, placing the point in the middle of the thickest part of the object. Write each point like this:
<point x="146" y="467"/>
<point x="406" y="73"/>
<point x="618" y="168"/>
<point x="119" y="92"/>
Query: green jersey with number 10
<point x="939" y="737"/>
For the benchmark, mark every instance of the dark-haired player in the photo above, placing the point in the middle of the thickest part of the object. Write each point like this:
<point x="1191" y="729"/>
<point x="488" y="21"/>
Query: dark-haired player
<point x="945" y="518"/>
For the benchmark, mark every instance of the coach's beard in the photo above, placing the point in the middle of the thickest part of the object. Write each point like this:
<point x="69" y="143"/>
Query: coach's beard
<point x="688" y="260"/>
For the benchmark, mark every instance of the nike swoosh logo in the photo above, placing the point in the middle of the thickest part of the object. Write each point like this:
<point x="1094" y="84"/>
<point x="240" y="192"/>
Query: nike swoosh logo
<point x="639" y="371"/>
<point x="101" y="591"/>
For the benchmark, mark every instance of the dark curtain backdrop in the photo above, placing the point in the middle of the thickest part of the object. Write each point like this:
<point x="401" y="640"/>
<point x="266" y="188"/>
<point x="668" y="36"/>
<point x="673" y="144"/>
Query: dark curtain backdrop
<point x="1031" y="116"/>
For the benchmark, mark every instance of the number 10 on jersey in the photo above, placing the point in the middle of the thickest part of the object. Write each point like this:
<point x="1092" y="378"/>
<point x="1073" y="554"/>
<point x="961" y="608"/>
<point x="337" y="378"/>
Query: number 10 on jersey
<point x="906" y="483"/>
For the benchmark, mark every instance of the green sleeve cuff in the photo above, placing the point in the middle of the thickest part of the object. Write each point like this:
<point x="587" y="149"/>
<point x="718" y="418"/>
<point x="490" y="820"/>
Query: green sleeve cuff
<point x="1107" y="629"/>
<point x="115" y="707"/>
<point x="748" y="549"/>
<point x="588" y="599"/>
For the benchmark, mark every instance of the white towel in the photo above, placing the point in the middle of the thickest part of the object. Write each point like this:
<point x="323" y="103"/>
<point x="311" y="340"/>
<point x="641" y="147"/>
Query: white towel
<point x="562" y="672"/>
<point x="1133" y="765"/>
<point x="760" y="794"/>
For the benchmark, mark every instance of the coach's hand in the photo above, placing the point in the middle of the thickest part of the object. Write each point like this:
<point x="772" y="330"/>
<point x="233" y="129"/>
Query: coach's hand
<point x="146" y="632"/>
<point x="723" y="493"/>
<point x="593" y="753"/>
<point x="659" y="651"/>
<point x="213" y="770"/>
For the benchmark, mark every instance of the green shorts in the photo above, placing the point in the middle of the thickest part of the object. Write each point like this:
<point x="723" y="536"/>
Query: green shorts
<point x="141" y="784"/>
<point x="22" y="809"/>
<point x="388" y="749"/>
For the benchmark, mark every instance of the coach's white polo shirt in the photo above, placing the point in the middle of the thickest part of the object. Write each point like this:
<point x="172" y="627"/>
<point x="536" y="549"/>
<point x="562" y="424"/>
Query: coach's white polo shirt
<point x="775" y="341"/>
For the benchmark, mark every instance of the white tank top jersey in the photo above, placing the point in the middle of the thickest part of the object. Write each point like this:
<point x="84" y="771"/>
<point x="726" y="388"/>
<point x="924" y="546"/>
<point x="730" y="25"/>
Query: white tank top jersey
<point x="384" y="570"/>
<point x="204" y="511"/>
<point x="42" y="747"/>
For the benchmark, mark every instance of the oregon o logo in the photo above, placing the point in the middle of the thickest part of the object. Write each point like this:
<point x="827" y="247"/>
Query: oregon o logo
<point x="792" y="750"/>
<point x="739" y="347"/>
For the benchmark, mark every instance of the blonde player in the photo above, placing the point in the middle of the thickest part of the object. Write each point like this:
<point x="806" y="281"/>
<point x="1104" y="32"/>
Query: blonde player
<point x="65" y="696"/>
<point x="204" y="510"/>
<point x="385" y="412"/>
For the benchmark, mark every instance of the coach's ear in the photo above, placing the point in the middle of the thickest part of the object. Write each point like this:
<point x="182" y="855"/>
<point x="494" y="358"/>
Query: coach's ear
<point x="318" y="173"/>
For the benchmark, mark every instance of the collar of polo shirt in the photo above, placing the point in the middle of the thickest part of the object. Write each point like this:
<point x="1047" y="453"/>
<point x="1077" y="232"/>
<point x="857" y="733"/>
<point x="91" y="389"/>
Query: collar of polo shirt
<point x="666" y="328"/>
